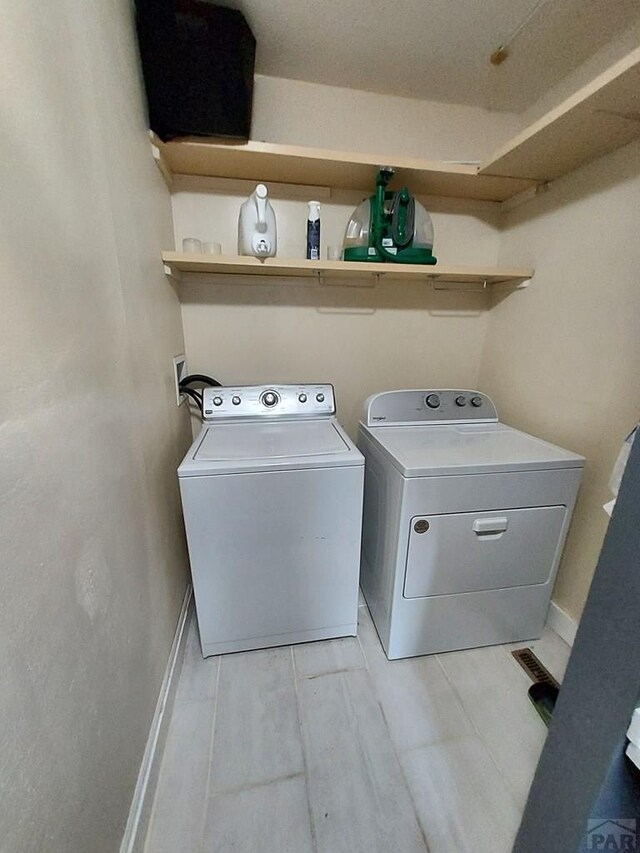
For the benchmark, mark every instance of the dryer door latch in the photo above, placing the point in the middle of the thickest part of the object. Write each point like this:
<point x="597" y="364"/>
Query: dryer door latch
<point x="490" y="526"/>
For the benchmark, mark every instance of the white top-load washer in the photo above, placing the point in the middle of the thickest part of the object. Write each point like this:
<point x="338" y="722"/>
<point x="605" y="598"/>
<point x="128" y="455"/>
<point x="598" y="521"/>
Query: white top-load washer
<point x="272" y="499"/>
<point x="464" y="522"/>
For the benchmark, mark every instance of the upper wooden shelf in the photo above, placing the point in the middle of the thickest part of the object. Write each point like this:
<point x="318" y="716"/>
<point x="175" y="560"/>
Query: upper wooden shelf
<point x="289" y="164"/>
<point x="301" y="268"/>
<point x="599" y="117"/>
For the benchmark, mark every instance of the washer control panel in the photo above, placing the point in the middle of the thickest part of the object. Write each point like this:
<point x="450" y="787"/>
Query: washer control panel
<point x="268" y="401"/>
<point x="428" y="406"/>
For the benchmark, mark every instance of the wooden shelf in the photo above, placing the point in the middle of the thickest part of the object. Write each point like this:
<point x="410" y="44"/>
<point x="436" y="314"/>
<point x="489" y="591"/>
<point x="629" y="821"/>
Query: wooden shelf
<point x="601" y="116"/>
<point x="177" y="262"/>
<point x="289" y="164"/>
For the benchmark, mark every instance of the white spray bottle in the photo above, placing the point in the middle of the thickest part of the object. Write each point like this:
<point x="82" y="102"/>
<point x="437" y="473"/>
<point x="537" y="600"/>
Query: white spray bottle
<point x="313" y="231"/>
<point x="257" y="233"/>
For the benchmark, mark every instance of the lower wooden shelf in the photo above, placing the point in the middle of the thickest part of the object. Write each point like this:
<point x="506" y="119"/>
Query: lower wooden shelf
<point x="177" y="262"/>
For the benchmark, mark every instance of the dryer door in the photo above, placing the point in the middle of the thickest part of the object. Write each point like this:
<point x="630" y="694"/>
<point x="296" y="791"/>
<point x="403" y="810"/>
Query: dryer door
<point x="473" y="551"/>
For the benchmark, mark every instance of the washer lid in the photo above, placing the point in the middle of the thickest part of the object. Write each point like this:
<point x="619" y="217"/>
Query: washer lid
<point x="269" y="445"/>
<point x="270" y="440"/>
<point x="433" y="451"/>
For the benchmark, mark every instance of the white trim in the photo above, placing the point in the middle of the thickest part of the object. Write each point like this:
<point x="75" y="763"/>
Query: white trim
<point x="133" y="838"/>
<point x="563" y="624"/>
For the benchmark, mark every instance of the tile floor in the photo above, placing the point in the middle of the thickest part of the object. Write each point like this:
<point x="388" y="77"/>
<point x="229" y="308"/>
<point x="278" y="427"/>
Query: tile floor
<point x="329" y="747"/>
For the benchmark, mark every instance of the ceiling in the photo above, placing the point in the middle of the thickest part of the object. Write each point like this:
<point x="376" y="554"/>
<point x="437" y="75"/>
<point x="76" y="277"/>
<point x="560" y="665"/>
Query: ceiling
<point x="433" y="49"/>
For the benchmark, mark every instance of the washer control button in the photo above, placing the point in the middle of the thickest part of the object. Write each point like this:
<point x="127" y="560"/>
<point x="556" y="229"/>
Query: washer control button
<point x="236" y="400"/>
<point x="302" y="398"/>
<point x="433" y="401"/>
<point x="476" y="401"/>
<point x="217" y="401"/>
<point x="461" y="401"/>
<point x="320" y="398"/>
<point x="269" y="399"/>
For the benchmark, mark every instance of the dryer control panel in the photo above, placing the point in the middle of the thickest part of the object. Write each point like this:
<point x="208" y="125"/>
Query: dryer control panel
<point x="428" y="406"/>
<point x="268" y="401"/>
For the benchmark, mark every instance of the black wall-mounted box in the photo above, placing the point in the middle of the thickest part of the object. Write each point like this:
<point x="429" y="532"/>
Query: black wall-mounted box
<point x="197" y="60"/>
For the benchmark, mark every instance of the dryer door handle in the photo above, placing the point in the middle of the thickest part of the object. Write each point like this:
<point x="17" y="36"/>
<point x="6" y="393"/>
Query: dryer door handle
<point x="490" y="526"/>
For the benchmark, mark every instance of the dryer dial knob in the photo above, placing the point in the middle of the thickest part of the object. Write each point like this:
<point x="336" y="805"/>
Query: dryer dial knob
<point x="302" y="398"/>
<point x="433" y="401"/>
<point x="236" y="401"/>
<point x="476" y="401"/>
<point x="461" y="401"/>
<point x="269" y="399"/>
<point x="320" y="398"/>
<point x="217" y="401"/>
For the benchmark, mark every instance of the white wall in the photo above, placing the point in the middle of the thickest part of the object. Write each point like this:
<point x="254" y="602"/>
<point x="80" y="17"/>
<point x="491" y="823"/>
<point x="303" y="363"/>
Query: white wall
<point x="362" y="339"/>
<point x="601" y="60"/>
<point x="562" y="358"/>
<point x="93" y="561"/>
<point x="298" y="113"/>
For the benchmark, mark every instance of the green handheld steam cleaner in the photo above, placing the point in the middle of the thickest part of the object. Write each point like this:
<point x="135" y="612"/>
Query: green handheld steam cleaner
<point x="389" y="227"/>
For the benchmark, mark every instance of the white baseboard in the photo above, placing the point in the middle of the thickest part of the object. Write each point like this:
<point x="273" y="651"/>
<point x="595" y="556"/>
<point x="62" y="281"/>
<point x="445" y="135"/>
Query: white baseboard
<point x="563" y="624"/>
<point x="136" y="828"/>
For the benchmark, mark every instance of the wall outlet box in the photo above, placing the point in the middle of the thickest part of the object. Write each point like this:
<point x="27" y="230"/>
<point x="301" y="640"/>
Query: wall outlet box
<point x="179" y="373"/>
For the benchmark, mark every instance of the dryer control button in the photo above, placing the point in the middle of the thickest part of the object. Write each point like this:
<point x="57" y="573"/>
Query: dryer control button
<point x="217" y="401"/>
<point x="236" y="401"/>
<point x="269" y="399"/>
<point x="433" y="401"/>
<point x="302" y="398"/>
<point x="320" y="398"/>
<point x="476" y="401"/>
<point x="461" y="401"/>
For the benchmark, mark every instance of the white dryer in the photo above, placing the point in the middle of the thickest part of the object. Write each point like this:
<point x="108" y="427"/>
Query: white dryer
<point x="272" y="500"/>
<point x="464" y="522"/>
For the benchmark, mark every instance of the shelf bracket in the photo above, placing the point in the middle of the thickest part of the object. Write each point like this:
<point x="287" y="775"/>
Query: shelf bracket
<point x="453" y="286"/>
<point x="339" y="282"/>
<point x="172" y="274"/>
<point x="160" y="162"/>
<point x="525" y="196"/>
<point x="512" y="284"/>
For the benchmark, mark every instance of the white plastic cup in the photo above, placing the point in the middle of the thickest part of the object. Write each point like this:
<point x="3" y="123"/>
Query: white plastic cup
<point x="192" y="245"/>
<point x="334" y="253"/>
<point x="212" y="248"/>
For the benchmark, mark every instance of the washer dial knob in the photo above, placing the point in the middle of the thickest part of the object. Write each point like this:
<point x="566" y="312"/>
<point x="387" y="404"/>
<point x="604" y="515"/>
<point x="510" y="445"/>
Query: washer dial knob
<point x="217" y="401"/>
<point x="461" y="401"/>
<point x="320" y="398"/>
<point x="269" y="399"/>
<point x="476" y="401"/>
<point x="433" y="401"/>
<point x="236" y="400"/>
<point x="302" y="398"/>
